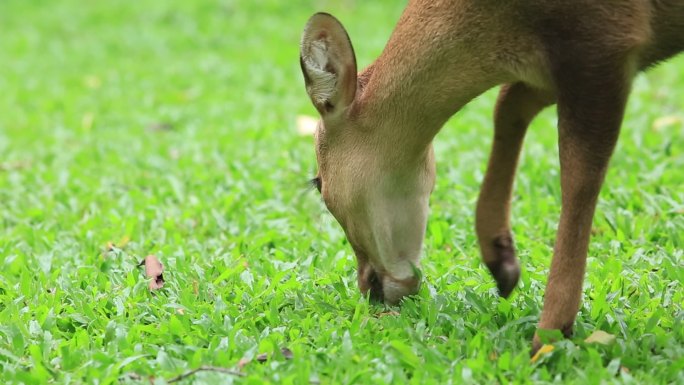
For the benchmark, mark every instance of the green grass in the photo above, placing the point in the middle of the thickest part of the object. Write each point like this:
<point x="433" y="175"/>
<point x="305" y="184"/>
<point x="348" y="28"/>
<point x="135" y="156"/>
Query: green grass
<point x="171" y="124"/>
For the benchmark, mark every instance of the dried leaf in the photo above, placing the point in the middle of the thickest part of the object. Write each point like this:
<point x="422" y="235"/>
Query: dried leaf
<point x="600" y="337"/>
<point x="11" y="166"/>
<point x="263" y="357"/>
<point x="665" y="121"/>
<point x="123" y="241"/>
<point x="287" y="353"/>
<point x="161" y="126"/>
<point x="153" y="270"/>
<point x="110" y="246"/>
<point x="92" y="81"/>
<point x="389" y="314"/>
<point x="545" y="349"/>
<point x="195" y="287"/>
<point x="306" y="125"/>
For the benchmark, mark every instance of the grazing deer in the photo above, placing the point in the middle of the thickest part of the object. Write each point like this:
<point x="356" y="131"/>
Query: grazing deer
<point x="376" y="167"/>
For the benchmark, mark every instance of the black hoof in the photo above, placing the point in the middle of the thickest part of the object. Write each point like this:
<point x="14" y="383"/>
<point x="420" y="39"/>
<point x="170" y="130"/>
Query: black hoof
<point x="506" y="268"/>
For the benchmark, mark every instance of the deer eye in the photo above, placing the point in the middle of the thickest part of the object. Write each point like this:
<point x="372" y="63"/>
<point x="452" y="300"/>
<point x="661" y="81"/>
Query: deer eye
<point x="316" y="182"/>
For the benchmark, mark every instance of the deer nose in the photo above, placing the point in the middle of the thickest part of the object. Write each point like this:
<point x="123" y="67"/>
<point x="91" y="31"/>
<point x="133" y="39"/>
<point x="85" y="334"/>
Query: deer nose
<point x="396" y="289"/>
<point x="382" y="287"/>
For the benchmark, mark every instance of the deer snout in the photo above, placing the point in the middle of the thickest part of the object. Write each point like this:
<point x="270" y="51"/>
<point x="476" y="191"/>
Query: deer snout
<point x="382" y="287"/>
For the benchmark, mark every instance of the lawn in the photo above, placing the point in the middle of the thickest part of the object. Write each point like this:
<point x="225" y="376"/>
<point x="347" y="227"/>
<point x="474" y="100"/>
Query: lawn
<point x="168" y="128"/>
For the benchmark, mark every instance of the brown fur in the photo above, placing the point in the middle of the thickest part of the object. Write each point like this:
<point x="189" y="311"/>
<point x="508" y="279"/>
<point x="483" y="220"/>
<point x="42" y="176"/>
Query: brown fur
<point x="580" y="54"/>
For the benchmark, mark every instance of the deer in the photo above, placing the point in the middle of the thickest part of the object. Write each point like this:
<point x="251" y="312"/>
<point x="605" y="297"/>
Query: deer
<point x="373" y="143"/>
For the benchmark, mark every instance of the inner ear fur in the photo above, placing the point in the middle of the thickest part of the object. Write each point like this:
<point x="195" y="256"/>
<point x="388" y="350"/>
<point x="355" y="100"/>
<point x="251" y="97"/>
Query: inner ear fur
<point x="328" y="63"/>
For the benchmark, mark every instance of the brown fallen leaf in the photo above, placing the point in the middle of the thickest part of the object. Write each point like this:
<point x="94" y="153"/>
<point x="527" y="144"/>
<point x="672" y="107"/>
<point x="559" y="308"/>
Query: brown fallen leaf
<point x="118" y="245"/>
<point x="287" y="353"/>
<point x="153" y="270"/>
<point x="600" y="337"/>
<point x="263" y="357"/>
<point x="195" y="287"/>
<point x="11" y="166"/>
<point x="161" y="126"/>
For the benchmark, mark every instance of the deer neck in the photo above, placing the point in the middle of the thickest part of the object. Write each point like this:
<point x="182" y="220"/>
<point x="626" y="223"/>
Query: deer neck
<point x="425" y="74"/>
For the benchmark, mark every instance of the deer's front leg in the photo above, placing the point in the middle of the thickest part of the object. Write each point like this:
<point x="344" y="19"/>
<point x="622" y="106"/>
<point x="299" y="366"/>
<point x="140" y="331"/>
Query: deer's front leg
<point x="589" y="121"/>
<point x="516" y="106"/>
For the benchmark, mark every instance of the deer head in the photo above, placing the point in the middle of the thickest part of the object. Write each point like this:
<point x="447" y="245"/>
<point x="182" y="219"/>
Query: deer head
<point x="375" y="185"/>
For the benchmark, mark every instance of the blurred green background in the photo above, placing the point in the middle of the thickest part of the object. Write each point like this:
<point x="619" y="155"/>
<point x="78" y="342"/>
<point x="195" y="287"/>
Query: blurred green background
<point x="168" y="128"/>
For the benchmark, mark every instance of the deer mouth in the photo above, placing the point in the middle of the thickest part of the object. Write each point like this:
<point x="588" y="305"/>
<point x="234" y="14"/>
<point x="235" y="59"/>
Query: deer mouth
<point x="374" y="283"/>
<point x="370" y="282"/>
<point x="382" y="287"/>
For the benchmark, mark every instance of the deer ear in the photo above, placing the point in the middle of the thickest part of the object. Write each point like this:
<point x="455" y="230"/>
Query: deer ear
<point x="328" y="63"/>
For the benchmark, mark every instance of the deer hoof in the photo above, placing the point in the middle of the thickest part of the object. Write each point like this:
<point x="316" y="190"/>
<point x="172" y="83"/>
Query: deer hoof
<point x="505" y="268"/>
<point x="566" y="330"/>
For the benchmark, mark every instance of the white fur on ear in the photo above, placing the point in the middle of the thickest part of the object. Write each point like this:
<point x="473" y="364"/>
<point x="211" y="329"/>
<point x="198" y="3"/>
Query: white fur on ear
<point x="322" y="83"/>
<point x="328" y="63"/>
